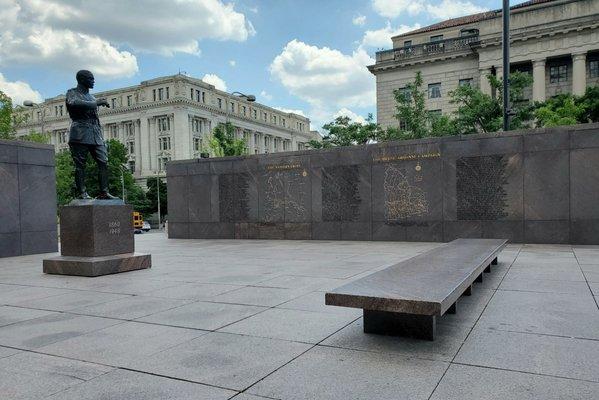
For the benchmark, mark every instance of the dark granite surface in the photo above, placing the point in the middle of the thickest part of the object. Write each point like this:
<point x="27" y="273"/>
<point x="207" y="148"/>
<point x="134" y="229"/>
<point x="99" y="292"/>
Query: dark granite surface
<point x="28" y="199"/>
<point x="535" y="186"/>
<point x="96" y="266"/>
<point x="428" y="284"/>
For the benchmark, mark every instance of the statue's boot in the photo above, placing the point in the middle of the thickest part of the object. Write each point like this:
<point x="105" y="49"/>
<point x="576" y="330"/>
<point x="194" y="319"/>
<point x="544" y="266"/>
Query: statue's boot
<point x="80" y="184"/>
<point x="103" y="179"/>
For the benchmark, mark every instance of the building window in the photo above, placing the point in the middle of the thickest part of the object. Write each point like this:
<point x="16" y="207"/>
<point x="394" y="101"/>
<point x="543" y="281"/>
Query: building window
<point x="434" y="114"/>
<point x="407" y="43"/>
<point x="404" y="93"/>
<point x="465" y="82"/>
<point x="129" y="100"/>
<point x="197" y="144"/>
<point x="593" y="69"/>
<point x="167" y="94"/>
<point x="131" y="147"/>
<point x="61" y="110"/>
<point x="113" y="103"/>
<point x="196" y="125"/>
<point x="132" y="165"/>
<point x="129" y="130"/>
<point x="434" y="90"/>
<point x="114" y="131"/>
<point x="436" y="38"/>
<point x="469" y="32"/>
<point x="154" y="94"/>
<point x="164" y="143"/>
<point x="160" y="93"/>
<point x="283" y="121"/>
<point x="243" y="111"/>
<point x="220" y="103"/>
<point x="274" y="119"/>
<point x="191" y="93"/>
<point x="164" y="124"/>
<point x="558" y="73"/>
<point x="162" y="162"/>
<point x="62" y="137"/>
<point x="402" y="125"/>
<point x="264" y="116"/>
<point x="255" y="114"/>
<point x="232" y="107"/>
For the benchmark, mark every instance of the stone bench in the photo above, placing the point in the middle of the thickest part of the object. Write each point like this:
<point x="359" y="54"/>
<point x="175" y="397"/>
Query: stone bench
<point x="405" y="299"/>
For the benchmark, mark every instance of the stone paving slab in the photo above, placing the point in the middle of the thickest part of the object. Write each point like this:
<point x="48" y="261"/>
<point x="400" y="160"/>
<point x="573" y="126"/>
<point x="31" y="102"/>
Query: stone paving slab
<point x="35" y="376"/>
<point x="129" y="385"/>
<point x="225" y="360"/>
<point x="293" y="325"/>
<point x="203" y="315"/>
<point x="534" y="324"/>
<point x="123" y="344"/>
<point x="462" y="382"/>
<point x="543" y="313"/>
<point x="329" y="373"/>
<point x="548" y="355"/>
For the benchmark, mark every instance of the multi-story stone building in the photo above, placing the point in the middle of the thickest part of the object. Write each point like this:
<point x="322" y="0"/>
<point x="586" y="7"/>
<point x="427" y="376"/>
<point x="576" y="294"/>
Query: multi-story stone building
<point x="171" y="118"/>
<point x="557" y="41"/>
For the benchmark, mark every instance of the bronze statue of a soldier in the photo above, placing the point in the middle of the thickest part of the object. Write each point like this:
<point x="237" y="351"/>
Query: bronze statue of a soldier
<point x="86" y="134"/>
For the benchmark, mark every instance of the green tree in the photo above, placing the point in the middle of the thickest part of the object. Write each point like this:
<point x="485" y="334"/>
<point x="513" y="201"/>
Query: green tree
<point x="7" y="127"/>
<point x="590" y="105"/>
<point x="411" y="111"/>
<point x="152" y="197"/>
<point x="223" y="142"/>
<point x="559" y="110"/>
<point x="478" y="112"/>
<point x="343" y="132"/>
<point x="36" y="137"/>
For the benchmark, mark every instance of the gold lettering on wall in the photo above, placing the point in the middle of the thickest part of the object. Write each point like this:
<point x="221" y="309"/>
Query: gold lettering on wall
<point x="401" y="157"/>
<point x="279" y="167"/>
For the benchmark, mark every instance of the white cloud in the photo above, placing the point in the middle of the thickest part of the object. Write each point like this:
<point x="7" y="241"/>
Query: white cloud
<point x="395" y="8"/>
<point x="360" y="20"/>
<point x="232" y="63"/>
<point x="440" y="10"/>
<point x="349" y="113"/>
<point x="382" y="37"/>
<point x="289" y="110"/>
<point x="266" y="95"/>
<point x="453" y="9"/>
<point x="325" y="78"/>
<point x="216" y="81"/>
<point x="71" y="35"/>
<point x="19" y="91"/>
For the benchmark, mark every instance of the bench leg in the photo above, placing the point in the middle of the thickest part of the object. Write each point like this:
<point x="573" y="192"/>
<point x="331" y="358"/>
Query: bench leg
<point x="468" y="291"/>
<point x="494" y="262"/>
<point x="488" y="269"/>
<point x="479" y="278"/>
<point x="452" y="309"/>
<point x="399" y="324"/>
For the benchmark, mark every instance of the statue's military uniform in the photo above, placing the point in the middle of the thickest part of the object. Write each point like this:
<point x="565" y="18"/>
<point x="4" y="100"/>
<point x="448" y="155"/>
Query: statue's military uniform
<point x="86" y="136"/>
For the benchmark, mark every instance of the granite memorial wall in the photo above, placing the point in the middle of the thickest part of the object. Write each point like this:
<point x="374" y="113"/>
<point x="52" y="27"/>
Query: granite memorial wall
<point x="535" y="186"/>
<point x="27" y="199"/>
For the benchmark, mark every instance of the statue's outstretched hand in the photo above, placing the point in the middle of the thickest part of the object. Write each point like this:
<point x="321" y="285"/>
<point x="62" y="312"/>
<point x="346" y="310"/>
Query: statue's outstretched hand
<point x="102" y="103"/>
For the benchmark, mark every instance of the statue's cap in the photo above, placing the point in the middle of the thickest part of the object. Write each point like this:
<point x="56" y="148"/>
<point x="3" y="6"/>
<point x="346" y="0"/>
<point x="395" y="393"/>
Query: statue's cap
<point x="83" y="74"/>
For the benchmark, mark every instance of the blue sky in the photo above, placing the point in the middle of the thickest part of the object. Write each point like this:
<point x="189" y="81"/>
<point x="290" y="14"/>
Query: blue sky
<point x="306" y="55"/>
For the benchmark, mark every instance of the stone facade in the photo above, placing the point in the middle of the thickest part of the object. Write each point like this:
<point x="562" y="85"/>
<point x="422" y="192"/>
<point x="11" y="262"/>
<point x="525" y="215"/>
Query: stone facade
<point x="170" y="118"/>
<point x="557" y="41"/>
<point x="537" y="186"/>
<point x="27" y="199"/>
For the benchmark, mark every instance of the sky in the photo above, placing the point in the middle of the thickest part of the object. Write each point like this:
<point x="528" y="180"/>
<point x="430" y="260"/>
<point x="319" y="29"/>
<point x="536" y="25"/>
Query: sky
<point x="305" y="56"/>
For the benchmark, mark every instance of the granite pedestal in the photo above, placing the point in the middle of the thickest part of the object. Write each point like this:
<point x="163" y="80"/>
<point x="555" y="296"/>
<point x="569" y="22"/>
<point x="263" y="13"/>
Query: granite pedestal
<point x="96" y="239"/>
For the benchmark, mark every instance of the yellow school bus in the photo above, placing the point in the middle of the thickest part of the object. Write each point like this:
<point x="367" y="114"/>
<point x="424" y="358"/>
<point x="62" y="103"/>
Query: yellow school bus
<point x="138" y="221"/>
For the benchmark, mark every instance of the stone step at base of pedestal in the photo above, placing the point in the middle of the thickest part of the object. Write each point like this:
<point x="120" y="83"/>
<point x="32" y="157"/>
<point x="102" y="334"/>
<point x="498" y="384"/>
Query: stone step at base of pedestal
<point x="97" y="266"/>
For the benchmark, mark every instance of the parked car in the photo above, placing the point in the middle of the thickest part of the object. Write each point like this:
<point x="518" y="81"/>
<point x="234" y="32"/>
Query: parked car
<point x="146" y="226"/>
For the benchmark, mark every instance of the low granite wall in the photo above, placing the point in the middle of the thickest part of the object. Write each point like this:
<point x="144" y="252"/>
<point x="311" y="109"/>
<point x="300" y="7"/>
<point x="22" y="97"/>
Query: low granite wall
<point x="27" y="199"/>
<point x="534" y="186"/>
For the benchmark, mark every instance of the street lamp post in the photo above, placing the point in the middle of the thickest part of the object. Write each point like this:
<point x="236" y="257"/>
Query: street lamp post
<point x="31" y="104"/>
<point x="158" y="195"/>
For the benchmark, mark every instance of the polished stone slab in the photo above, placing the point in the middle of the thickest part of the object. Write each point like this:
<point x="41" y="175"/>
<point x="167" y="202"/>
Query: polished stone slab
<point x="97" y="266"/>
<point x="406" y="297"/>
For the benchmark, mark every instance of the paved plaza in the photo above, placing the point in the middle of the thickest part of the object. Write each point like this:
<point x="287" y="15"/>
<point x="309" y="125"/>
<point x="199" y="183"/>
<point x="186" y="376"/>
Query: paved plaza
<point x="221" y="319"/>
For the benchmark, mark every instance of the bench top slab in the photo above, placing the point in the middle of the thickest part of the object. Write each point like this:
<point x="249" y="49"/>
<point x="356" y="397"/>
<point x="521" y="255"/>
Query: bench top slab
<point x="426" y="284"/>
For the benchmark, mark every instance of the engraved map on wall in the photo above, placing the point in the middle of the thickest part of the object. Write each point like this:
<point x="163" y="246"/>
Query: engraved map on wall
<point x="279" y="188"/>
<point x="340" y="193"/>
<point x="242" y="201"/>
<point x="402" y="198"/>
<point x="480" y="192"/>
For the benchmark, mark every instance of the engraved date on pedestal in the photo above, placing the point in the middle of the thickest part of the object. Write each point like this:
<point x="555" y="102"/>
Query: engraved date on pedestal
<point x="114" y="228"/>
